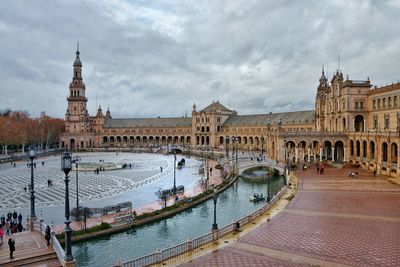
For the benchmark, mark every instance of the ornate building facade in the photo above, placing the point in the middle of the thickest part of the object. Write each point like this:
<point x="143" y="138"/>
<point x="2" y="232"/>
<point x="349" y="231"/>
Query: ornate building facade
<point x="353" y="122"/>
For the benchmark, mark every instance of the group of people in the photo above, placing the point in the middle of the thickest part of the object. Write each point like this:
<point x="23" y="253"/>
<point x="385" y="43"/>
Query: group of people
<point x="10" y="224"/>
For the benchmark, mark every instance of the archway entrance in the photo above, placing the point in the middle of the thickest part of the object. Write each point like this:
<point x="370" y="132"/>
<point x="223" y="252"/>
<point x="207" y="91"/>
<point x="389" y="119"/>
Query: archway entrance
<point x="339" y="152"/>
<point x="359" y="123"/>
<point x="72" y="144"/>
<point x="328" y="150"/>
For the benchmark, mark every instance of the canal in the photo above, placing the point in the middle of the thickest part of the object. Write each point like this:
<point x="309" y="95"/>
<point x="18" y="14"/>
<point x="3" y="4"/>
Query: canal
<point x="232" y="204"/>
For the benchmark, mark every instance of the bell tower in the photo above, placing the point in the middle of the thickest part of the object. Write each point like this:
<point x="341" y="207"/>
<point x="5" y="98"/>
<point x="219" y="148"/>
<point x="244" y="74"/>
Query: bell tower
<point x="77" y="117"/>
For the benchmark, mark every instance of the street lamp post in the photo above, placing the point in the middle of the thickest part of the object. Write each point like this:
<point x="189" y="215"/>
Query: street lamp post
<point x="262" y="145"/>
<point x="287" y="166"/>
<point x="236" y="148"/>
<point x="76" y="160"/>
<point x="226" y="146"/>
<point x="207" y="168"/>
<point x="32" y="156"/>
<point x="174" y="188"/>
<point x="215" y="198"/>
<point x="66" y="163"/>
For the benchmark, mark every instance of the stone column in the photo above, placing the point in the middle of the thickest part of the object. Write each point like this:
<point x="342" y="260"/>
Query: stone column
<point x="333" y="154"/>
<point x="320" y="154"/>
<point x="365" y="125"/>
<point x="344" y="154"/>
<point x="296" y="154"/>
<point x="308" y="154"/>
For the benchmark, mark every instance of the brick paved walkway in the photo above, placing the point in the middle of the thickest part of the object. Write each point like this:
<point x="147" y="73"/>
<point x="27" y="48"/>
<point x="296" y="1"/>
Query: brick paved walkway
<point x="333" y="220"/>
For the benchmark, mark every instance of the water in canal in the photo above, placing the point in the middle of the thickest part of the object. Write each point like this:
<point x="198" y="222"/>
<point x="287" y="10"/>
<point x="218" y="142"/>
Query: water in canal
<point x="232" y="204"/>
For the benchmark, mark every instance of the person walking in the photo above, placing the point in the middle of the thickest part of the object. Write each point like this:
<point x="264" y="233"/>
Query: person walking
<point x="20" y="218"/>
<point x="1" y="235"/>
<point x="11" y="245"/>
<point x="47" y="235"/>
<point x="8" y="228"/>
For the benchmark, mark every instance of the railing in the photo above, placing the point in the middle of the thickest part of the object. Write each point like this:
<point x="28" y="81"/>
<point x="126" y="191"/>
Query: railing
<point x="58" y="249"/>
<point x="176" y="250"/>
<point x="143" y="261"/>
<point x="201" y="240"/>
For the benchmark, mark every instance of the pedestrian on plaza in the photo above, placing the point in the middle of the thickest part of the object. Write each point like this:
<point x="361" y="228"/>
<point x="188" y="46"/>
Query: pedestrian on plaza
<point x="8" y="228"/>
<point x="15" y="164"/>
<point x="9" y="215"/>
<point x="3" y="220"/>
<point x="42" y="163"/>
<point x="317" y="168"/>
<point x="15" y="216"/>
<point x="20" y="228"/>
<point x="25" y="189"/>
<point x="161" y="169"/>
<point x="11" y="245"/>
<point x="374" y="172"/>
<point x="1" y="235"/>
<point x="47" y="235"/>
<point x="20" y="218"/>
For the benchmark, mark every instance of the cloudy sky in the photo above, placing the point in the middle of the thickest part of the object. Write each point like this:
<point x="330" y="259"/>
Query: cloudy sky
<point x="154" y="58"/>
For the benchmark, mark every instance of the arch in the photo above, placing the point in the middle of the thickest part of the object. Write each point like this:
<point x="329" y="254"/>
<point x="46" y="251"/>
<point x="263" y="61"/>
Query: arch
<point x="339" y="151"/>
<point x="372" y="150"/>
<point x="105" y="139"/>
<point x="202" y="140"/>
<point x="359" y="123"/>
<point x="112" y="139"/>
<point x="176" y="139"/>
<point x="125" y="139"/>
<point x="207" y="129"/>
<point x="384" y="152"/>
<point x="393" y="153"/>
<point x="221" y="140"/>
<point x="251" y="140"/>
<point x="197" y="140"/>
<point x="169" y="139"/>
<point x="72" y="144"/>
<point x="328" y="150"/>
<point x="257" y="140"/>
<point x="245" y="140"/>
<point x="202" y="129"/>
<point x="163" y="139"/>
<point x="157" y="140"/>
<point x="188" y="140"/>
<point x="207" y="140"/>
<point x="365" y="150"/>
<point x="138" y="139"/>
<point x="351" y="145"/>
<point x="218" y="128"/>
<point x="131" y="139"/>
<point x="118" y="139"/>
<point x="144" y="139"/>
<point x="358" y="148"/>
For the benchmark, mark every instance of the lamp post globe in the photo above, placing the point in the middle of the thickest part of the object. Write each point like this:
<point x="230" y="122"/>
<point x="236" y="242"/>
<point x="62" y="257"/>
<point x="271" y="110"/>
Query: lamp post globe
<point x="215" y="198"/>
<point x="76" y="160"/>
<point x="66" y="166"/>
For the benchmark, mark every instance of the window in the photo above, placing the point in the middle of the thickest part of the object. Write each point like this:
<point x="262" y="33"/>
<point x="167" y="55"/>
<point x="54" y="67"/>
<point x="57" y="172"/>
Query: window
<point x="384" y="103"/>
<point x="386" y="121"/>
<point x="374" y="104"/>
<point x="389" y="102"/>
<point x="396" y="102"/>
<point x="356" y="104"/>
<point x="379" y="103"/>
<point x="375" y="118"/>
<point x="361" y="105"/>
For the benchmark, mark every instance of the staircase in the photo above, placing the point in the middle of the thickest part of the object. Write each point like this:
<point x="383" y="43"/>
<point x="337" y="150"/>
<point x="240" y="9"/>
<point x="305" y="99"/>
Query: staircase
<point x="41" y="260"/>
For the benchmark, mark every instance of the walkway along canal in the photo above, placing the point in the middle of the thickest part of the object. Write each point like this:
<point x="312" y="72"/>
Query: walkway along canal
<point x="232" y="204"/>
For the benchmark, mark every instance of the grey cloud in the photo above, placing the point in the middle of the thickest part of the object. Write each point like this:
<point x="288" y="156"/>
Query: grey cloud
<point x="155" y="58"/>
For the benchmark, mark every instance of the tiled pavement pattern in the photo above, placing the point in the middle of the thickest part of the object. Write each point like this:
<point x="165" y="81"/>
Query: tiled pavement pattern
<point x="145" y="169"/>
<point x="334" y="219"/>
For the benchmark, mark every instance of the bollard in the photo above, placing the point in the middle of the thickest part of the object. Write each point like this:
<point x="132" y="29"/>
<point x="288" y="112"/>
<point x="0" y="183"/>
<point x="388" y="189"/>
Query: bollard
<point x="159" y="256"/>
<point x="215" y="234"/>
<point x="190" y="244"/>
<point x="118" y="263"/>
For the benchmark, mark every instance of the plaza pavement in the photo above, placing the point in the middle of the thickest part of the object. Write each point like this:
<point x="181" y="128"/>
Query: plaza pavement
<point x="333" y="220"/>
